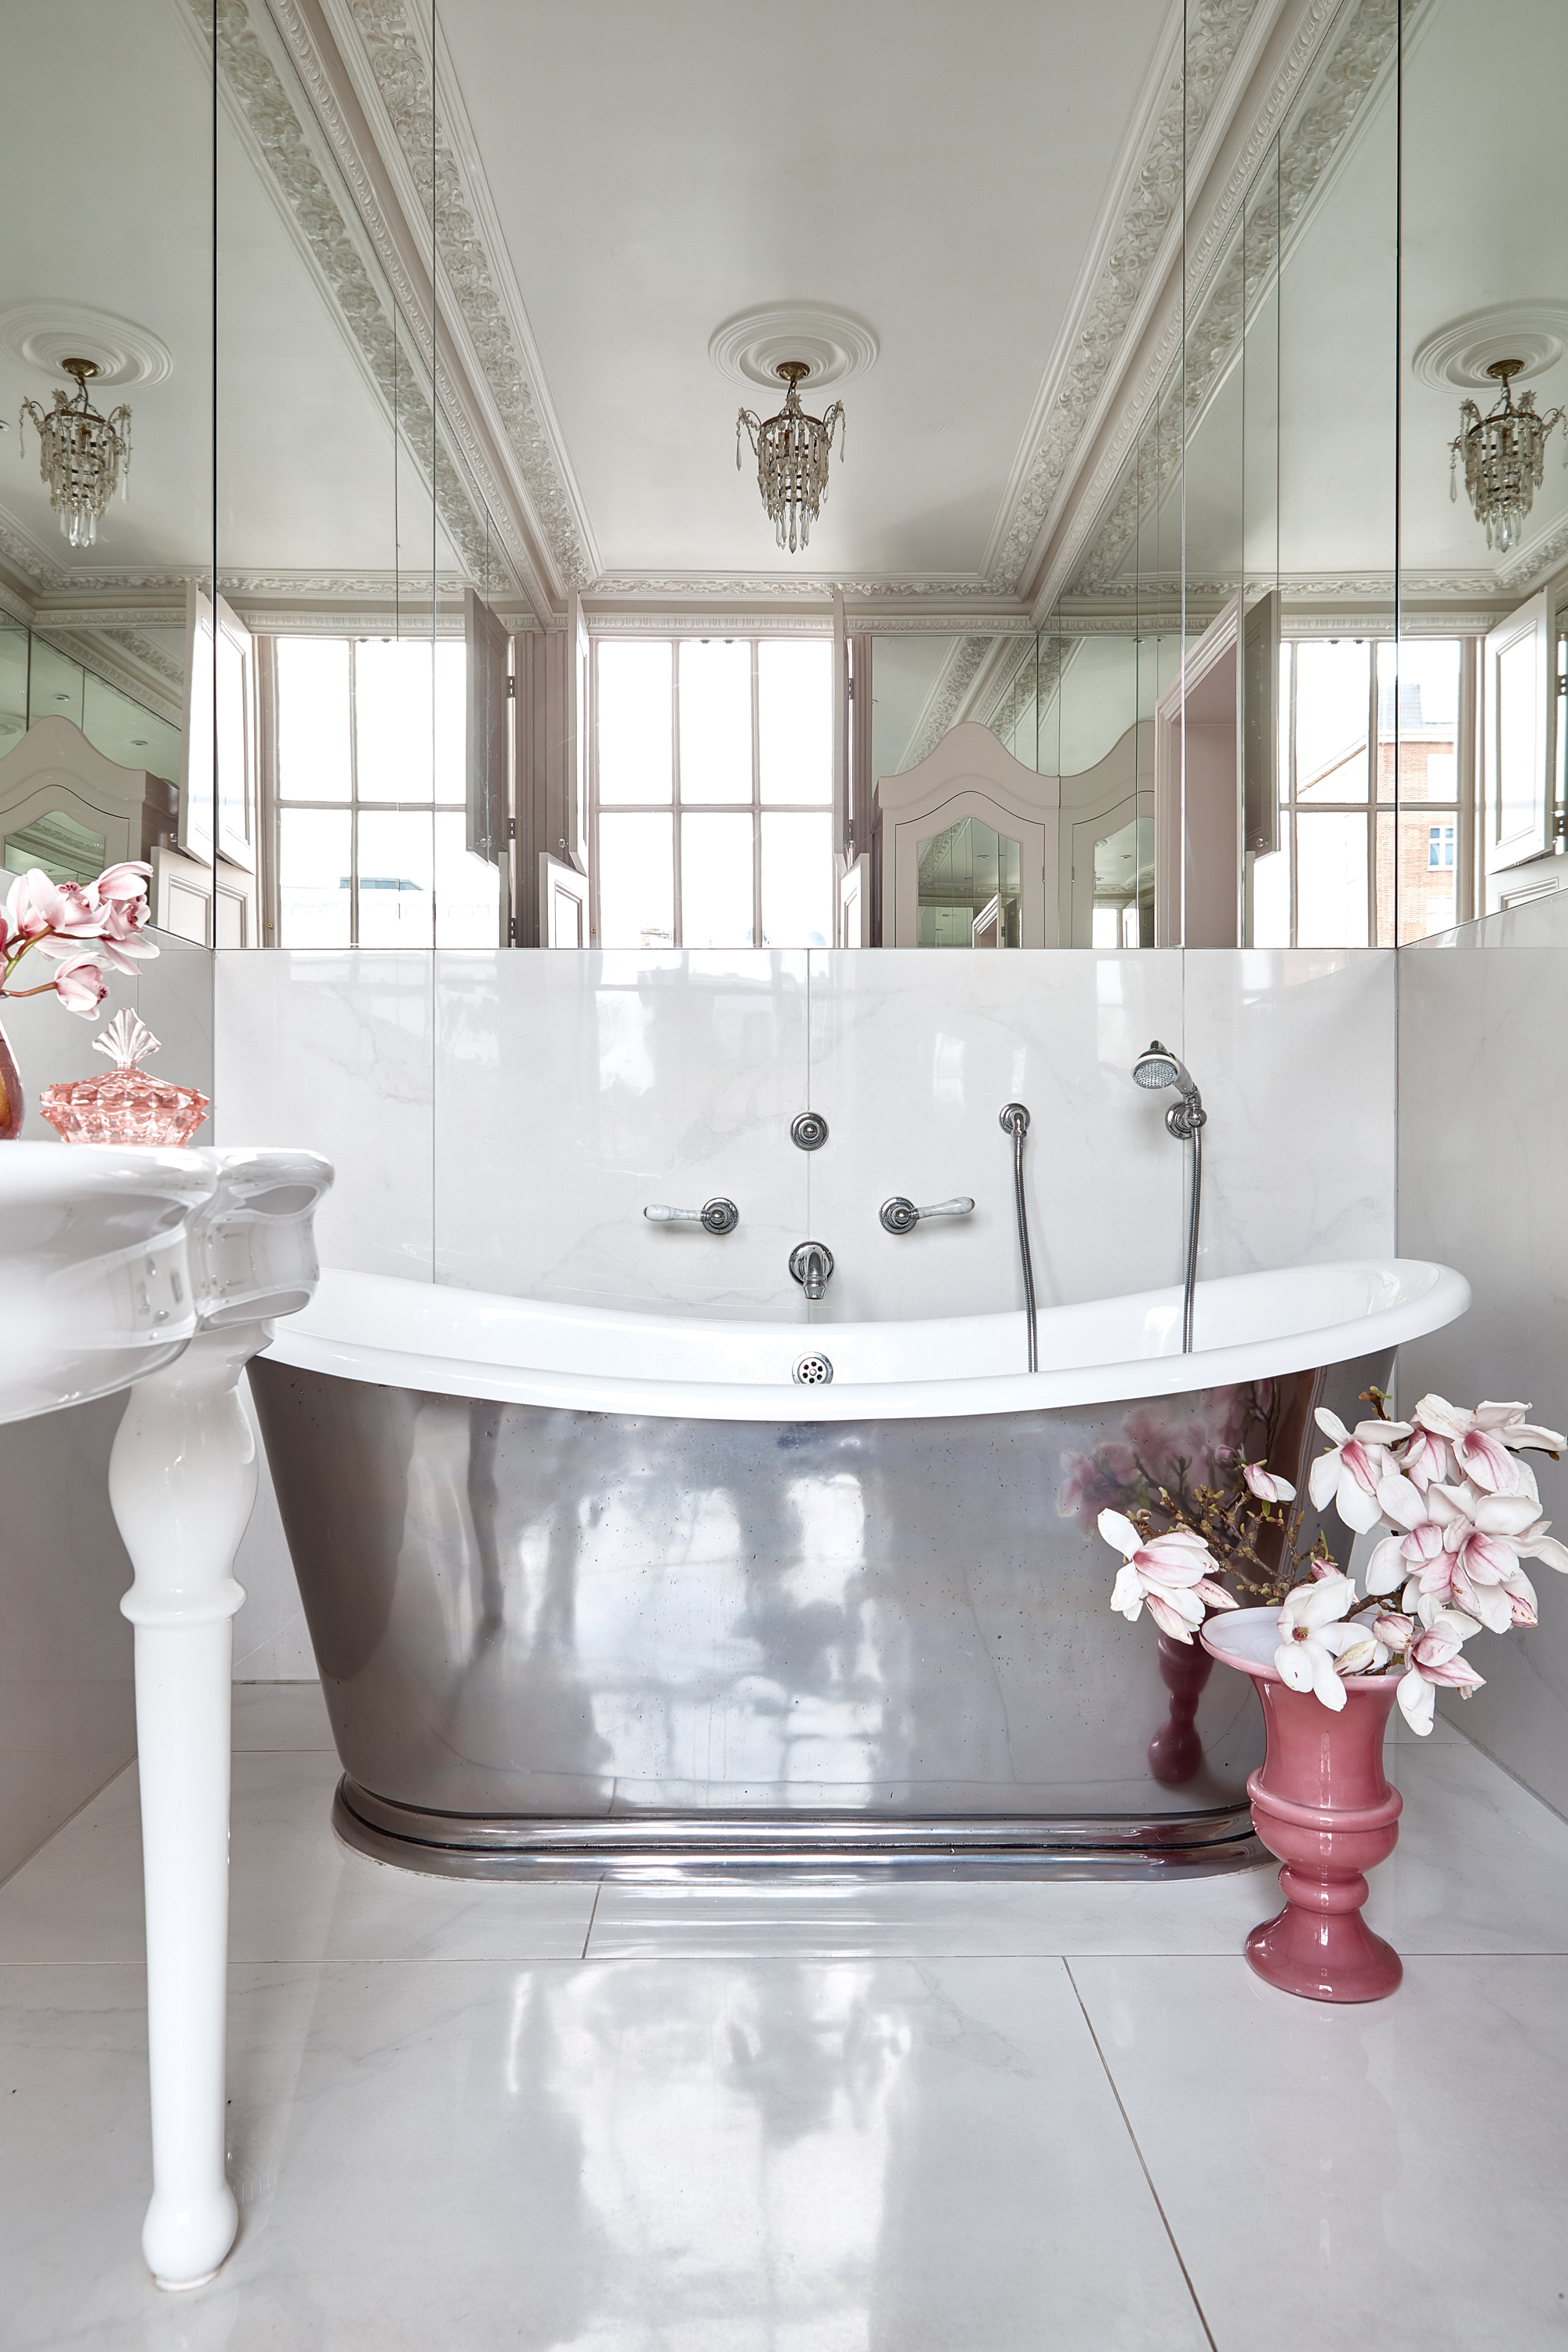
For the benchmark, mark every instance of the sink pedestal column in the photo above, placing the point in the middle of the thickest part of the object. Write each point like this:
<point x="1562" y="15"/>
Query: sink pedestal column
<point x="181" y="1480"/>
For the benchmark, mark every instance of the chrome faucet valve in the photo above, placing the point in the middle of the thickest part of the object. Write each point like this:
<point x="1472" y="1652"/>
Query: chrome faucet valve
<point x="811" y="1263"/>
<point x="902" y="1216"/>
<point x="713" y="1216"/>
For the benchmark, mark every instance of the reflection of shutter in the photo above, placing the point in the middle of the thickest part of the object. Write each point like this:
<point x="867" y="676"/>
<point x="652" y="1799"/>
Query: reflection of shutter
<point x="489" y="664"/>
<point x="1516" y="736"/>
<point x="1260" y="726"/>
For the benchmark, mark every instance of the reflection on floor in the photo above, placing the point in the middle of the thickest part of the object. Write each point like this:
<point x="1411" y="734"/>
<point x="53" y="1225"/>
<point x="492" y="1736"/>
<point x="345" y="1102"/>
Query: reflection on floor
<point x="907" y="2118"/>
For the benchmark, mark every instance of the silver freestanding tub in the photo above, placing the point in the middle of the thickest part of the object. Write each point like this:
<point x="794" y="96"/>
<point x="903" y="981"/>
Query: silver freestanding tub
<point x="595" y="1591"/>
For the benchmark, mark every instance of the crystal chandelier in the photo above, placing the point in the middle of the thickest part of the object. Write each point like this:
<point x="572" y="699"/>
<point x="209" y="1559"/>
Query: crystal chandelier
<point x="1504" y="457"/>
<point x="83" y="457"/>
<point x="791" y="450"/>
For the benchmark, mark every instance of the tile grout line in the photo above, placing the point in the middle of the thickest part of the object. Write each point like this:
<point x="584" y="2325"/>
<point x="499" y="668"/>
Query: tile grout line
<point x="1138" y="2152"/>
<point x="593" y="1915"/>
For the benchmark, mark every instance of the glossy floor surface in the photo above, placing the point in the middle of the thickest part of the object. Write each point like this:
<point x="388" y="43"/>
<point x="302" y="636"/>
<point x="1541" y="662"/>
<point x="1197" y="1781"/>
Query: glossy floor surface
<point x="909" y="2118"/>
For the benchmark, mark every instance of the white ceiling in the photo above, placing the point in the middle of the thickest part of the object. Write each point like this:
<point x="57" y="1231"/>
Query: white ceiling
<point x="936" y="168"/>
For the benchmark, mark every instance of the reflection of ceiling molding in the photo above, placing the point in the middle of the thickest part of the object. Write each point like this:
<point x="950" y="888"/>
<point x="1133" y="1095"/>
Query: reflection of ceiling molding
<point x="1346" y="69"/>
<point x="92" y="654"/>
<point x="758" y="623"/>
<point x="795" y="584"/>
<point x="1535" y="559"/>
<point x="951" y="685"/>
<point x="428" y="148"/>
<point x="1133" y="252"/>
<point x="281" y="143"/>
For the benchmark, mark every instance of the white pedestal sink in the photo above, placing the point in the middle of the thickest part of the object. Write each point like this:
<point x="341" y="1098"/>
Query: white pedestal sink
<point x="161" y="1272"/>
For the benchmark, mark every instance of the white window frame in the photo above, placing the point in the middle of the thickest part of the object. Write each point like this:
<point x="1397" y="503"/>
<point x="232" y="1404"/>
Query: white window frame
<point x="675" y="808"/>
<point x="1460" y="811"/>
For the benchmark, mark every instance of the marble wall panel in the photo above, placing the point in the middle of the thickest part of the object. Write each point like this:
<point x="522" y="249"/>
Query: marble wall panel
<point x="334" y="1051"/>
<point x="1483" y="1141"/>
<point x="914" y="1053"/>
<point x="572" y="1090"/>
<point x="1294" y="1050"/>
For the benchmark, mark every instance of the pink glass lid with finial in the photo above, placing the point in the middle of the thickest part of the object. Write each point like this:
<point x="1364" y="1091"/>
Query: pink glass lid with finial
<point x="126" y="1106"/>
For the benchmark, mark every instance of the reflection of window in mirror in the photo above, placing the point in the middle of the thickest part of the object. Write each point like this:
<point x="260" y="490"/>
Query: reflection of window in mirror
<point x="711" y="792"/>
<point x="1376" y="792"/>
<point x="368" y="797"/>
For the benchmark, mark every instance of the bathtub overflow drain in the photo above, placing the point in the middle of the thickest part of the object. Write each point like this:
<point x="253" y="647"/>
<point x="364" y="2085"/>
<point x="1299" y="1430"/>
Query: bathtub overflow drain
<point x="812" y="1372"/>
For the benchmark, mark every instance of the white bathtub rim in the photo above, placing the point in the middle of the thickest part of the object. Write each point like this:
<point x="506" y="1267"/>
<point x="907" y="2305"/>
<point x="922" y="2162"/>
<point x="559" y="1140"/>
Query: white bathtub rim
<point x="1443" y="1295"/>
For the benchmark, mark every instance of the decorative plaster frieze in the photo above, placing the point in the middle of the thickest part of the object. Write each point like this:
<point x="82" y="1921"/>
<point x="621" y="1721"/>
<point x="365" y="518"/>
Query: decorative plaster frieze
<point x="1215" y="33"/>
<point x="402" y="77"/>
<point x="953" y="680"/>
<point x="274" y="126"/>
<point x="1346" y="72"/>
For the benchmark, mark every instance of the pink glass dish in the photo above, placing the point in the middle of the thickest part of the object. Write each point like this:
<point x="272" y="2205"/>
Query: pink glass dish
<point x="123" y="1106"/>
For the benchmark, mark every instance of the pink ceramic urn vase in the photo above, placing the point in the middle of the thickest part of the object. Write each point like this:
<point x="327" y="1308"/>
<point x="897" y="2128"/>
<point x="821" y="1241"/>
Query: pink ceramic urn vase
<point x="1322" y="1803"/>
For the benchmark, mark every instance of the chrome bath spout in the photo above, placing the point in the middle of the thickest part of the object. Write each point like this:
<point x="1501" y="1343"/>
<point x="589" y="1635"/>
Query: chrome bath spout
<point x="1014" y="1121"/>
<point x="811" y="1263"/>
<point x="1154" y="1070"/>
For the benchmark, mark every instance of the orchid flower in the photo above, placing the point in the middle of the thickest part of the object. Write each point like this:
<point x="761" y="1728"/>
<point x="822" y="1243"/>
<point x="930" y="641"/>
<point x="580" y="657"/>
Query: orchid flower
<point x="1484" y="1440"/>
<point x="1309" y="1657"/>
<point x="1351" y="1470"/>
<point x="80" y="986"/>
<point x="1268" y="1484"/>
<point x="1434" y="1658"/>
<point x="1169" y="1572"/>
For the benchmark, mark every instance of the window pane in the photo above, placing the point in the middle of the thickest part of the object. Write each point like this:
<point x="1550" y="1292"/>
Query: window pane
<point x="635" y="684"/>
<point x="637" y="883"/>
<point x="395" y="876"/>
<point x="795" y="724"/>
<point x="1331" y="880"/>
<point x="393" y="718"/>
<point x="451" y="730"/>
<point x="1428" y="719"/>
<point x="716" y="723"/>
<point x="467" y="889"/>
<point x="1332" y="706"/>
<point x="716" y="882"/>
<point x="312" y="878"/>
<point x="1428" y="857"/>
<point x="312" y="719"/>
<point x="797" y="880"/>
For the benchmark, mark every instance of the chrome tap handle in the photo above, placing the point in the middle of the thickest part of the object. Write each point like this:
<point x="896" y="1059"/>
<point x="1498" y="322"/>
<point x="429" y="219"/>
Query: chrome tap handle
<point x="902" y="1216"/>
<point x="713" y="1216"/>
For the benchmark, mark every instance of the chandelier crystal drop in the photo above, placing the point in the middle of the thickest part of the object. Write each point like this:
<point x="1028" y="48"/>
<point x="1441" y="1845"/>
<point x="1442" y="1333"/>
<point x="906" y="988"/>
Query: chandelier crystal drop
<point x="1505" y="454"/>
<point x="791" y="450"/>
<point x="84" y="458"/>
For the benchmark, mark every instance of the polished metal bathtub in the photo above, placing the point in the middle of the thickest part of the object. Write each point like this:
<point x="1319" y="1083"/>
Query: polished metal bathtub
<point x="592" y="1591"/>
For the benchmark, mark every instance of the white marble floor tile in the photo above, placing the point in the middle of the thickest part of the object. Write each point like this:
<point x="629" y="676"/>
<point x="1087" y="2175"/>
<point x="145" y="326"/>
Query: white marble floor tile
<point x="281" y="1714"/>
<point x="708" y="2158"/>
<point x="1481" y="1866"/>
<point x="1388" y="2175"/>
<point x="295" y="1892"/>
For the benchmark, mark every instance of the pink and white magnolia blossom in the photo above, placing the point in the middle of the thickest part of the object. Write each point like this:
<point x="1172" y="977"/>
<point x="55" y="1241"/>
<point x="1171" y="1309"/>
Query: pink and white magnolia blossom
<point x="1268" y="1484"/>
<point x="1315" y="1640"/>
<point x="1485" y="1440"/>
<point x="1349" y="1473"/>
<point x="1432" y="1659"/>
<point x="1170" y="1572"/>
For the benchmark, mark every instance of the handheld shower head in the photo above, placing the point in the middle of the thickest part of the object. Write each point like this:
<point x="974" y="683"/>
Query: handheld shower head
<point x="1158" y="1066"/>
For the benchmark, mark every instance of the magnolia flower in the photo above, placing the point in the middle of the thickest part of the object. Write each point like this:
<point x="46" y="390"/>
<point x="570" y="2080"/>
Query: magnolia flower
<point x="1352" y="1468"/>
<point x="1268" y="1484"/>
<point x="1426" y="1457"/>
<point x="80" y="986"/>
<point x="1309" y="1657"/>
<point x="1434" y="1657"/>
<point x="1170" y="1572"/>
<point x="1484" y="1440"/>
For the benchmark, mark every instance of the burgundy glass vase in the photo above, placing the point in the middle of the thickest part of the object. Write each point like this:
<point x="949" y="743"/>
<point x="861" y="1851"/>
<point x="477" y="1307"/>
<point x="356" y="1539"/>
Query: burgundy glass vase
<point x="1321" y="1801"/>
<point x="12" y="1110"/>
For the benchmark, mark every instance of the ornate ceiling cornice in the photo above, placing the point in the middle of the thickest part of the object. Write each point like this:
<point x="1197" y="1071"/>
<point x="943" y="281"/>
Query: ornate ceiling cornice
<point x="1150" y="213"/>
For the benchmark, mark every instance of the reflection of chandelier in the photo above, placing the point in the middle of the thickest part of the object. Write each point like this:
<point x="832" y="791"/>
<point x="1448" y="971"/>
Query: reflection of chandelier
<point x="792" y="452"/>
<point x="1504" y="456"/>
<point x="83" y="457"/>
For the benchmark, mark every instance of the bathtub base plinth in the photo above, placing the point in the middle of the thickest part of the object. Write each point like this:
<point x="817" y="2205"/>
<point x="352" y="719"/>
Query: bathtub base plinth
<point x="708" y="1845"/>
